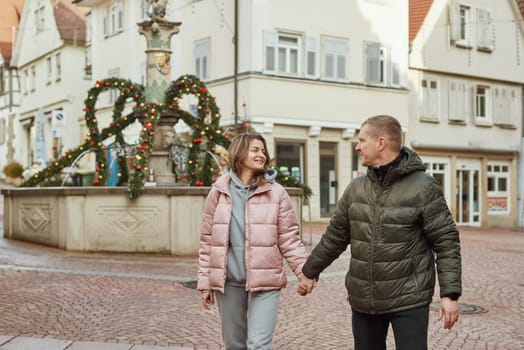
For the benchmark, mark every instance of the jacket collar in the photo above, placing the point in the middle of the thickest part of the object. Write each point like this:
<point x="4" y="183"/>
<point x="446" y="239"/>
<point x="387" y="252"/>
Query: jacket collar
<point x="222" y="185"/>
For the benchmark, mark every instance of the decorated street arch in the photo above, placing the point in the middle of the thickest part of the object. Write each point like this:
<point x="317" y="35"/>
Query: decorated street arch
<point x="206" y="134"/>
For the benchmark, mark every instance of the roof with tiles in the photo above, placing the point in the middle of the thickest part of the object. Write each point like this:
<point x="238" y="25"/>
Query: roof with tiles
<point x="418" y="10"/>
<point x="520" y="4"/>
<point x="70" y="21"/>
<point x="10" y="13"/>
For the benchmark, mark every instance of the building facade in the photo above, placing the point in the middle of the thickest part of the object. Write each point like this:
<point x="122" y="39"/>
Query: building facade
<point x="49" y="54"/>
<point x="301" y="74"/>
<point x="10" y="13"/>
<point x="466" y="73"/>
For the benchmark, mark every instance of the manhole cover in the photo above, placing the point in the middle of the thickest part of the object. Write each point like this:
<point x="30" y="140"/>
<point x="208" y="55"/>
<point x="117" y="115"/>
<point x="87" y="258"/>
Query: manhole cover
<point x="465" y="309"/>
<point x="190" y="284"/>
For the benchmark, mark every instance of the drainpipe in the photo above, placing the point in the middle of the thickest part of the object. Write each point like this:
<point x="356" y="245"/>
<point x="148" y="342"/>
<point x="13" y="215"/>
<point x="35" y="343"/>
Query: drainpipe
<point x="235" y="74"/>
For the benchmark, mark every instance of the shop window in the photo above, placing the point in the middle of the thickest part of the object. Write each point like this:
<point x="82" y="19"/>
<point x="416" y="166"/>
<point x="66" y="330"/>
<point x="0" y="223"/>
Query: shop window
<point x="498" y="187"/>
<point x="439" y="169"/>
<point x="290" y="159"/>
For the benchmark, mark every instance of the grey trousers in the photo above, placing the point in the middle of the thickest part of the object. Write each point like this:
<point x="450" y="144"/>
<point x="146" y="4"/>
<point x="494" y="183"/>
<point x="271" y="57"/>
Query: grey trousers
<point x="248" y="319"/>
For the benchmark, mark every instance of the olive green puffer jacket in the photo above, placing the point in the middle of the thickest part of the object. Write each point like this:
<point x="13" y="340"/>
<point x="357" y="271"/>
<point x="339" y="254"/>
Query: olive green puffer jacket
<point x="397" y="230"/>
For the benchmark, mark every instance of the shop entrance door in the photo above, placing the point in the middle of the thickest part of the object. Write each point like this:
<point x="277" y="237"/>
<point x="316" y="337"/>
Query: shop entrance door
<point x="328" y="178"/>
<point x="468" y="192"/>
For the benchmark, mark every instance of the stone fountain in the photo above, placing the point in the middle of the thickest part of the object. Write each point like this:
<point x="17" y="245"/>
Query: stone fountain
<point x="164" y="218"/>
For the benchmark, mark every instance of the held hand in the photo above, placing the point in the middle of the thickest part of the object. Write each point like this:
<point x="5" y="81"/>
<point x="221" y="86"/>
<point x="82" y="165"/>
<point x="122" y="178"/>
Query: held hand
<point x="305" y="285"/>
<point x="208" y="298"/>
<point x="449" y="310"/>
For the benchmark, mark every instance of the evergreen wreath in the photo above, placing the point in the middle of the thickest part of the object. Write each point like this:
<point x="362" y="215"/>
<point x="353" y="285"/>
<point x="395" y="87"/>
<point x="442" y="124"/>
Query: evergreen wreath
<point x="201" y="169"/>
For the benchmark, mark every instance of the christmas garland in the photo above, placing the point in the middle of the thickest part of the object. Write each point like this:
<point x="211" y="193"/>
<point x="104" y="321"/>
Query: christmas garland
<point x="205" y="125"/>
<point x="202" y="168"/>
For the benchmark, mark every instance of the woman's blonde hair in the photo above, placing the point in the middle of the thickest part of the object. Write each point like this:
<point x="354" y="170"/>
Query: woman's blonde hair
<point x="238" y="150"/>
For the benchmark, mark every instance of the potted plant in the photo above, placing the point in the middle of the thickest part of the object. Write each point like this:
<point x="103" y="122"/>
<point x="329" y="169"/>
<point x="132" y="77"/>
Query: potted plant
<point x="13" y="173"/>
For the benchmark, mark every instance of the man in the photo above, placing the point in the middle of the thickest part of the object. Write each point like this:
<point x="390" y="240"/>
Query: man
<point x="398" y="225"/>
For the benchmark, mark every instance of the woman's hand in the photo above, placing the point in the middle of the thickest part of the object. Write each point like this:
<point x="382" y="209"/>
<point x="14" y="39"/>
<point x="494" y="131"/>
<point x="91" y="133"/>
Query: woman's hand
<point x="208" y="298"/>
<point x="305" y="285"/>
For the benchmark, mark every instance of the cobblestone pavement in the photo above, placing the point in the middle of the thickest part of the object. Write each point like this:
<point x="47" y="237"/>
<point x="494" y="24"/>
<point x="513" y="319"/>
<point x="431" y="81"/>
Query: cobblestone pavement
<point x="53" y="299"/>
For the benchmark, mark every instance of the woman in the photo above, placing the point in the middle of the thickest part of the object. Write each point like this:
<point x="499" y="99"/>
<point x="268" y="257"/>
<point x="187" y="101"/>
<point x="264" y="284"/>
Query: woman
<point x="248" y="228"/>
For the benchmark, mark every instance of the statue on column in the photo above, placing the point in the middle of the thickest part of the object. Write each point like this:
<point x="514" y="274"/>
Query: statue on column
<point x="156" y="9"/>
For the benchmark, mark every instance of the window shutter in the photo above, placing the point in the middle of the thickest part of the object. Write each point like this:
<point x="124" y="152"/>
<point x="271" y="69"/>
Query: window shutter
<point x="328" y="59"/>
<point x="484" y="30"/>
<point x="373" y="64"/>
<point x="311" y="54"/>
<point x="201" y="54"/>
<point x="395" y="73"/>
<point x="270" y="51"/>
<point x="341" y="60"/>
<point x="106" y="21"/>
<point x="514" y="106"/>
<point x="120" y="16"/>
<point x="457" y="108"/>
<point x="454" y="21"/>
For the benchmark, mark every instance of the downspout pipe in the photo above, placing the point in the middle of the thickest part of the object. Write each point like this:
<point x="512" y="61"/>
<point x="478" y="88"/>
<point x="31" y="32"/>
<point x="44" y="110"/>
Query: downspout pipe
<point x="235" y="74"/>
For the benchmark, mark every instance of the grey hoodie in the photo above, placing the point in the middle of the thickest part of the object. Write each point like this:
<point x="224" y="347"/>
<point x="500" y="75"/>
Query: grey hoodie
<point x="236" y="262"/>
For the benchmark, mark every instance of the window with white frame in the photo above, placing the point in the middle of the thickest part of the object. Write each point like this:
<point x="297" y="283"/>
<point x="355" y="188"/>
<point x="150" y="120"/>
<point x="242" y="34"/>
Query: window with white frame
<point x="3" y="78"/>
<point x="382" y="65"/>
<point x="113" y="93"/>
<point x="143" y="10"/>
<point x="89" y="29"/>
<point x="201" y="53"/>
<point x="282" y="53"/>
<point x="311" y="58"/>
<point x="439" y="169"/>
<point x="504" y="106"/>
<point x="498" y="187"/>
<point x="482" y="105"/>
<point x="460" y="26"/>
<point x="33" y="78"/>
<point x="485" y="30"/>
<point x="430" y="99"/>
<point x="26" y="81"/>
<point x="114" y="18"/>
<point x="88" y="68"/>
<point x="335" y="55"/>
<point x="457" y="101"/>
<point x="58" y="64"/>
<point x="2" y="131"/>
<point x="49" y="70"/>
<point x="288" y="54"/>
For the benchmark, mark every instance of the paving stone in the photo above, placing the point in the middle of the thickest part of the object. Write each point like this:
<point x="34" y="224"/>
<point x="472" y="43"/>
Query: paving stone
<point x="92" y="345"/>
<point x="27" y="343"/>
<point x="144" y="301"/>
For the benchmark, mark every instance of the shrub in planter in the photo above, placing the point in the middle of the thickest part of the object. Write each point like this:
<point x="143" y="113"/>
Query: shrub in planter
<point x="13" y="173"/>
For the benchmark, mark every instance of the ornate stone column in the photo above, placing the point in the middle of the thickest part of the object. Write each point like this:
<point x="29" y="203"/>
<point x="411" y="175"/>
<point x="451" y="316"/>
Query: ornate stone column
<point x="158" y="34"/>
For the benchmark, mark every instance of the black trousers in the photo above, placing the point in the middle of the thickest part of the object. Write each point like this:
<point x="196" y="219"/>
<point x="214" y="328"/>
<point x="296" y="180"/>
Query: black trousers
<point x="410" y="329"/>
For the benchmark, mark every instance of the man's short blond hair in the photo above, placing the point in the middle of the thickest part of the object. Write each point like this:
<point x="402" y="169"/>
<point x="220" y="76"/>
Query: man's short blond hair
<point x="386" y="126"/>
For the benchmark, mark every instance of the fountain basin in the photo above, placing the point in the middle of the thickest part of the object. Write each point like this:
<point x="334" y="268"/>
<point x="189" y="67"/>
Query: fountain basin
<point x="162" y="220"/>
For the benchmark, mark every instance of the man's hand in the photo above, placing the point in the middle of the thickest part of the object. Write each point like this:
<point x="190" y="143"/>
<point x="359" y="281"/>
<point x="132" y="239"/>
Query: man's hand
<point x="305" y="285"/>
<point x="208" y="298"/>
<point x="449" y="310"/>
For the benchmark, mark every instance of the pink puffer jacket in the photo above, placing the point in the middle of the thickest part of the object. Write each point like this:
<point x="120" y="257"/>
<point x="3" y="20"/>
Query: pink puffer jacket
<point x="272" y="235"/>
